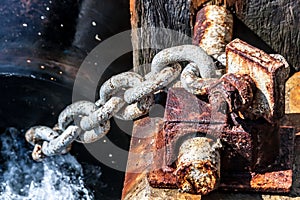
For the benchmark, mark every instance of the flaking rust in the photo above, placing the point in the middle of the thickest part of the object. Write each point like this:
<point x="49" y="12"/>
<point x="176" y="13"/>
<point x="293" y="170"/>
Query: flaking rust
<point x="213" y="29"/>
<point x="243" y="109"/>
<point x="255" y="155"/>
<point x="198" y="167"/>
<point x="268" y="73"/>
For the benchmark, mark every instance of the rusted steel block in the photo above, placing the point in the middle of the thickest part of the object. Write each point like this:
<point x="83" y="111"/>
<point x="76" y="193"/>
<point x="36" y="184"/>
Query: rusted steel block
<point x="292" y="94"/>
<point x="182" y="107"/>
<point x="268" y="73"/>
<point x="254" y="156"/>
<point x="278" y="176"/>
<point x="187" y="116"/>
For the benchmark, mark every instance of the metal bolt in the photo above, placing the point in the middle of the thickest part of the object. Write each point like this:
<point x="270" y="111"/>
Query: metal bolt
<point x="198" y="167"/>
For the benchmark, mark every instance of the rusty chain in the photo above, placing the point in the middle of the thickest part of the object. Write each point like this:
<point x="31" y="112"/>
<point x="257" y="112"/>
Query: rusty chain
<point x="126" y="96"/>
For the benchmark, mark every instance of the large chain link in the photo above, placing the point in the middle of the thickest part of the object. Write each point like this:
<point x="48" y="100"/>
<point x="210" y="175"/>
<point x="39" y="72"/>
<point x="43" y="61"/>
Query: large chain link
<point x="126" y="96"/>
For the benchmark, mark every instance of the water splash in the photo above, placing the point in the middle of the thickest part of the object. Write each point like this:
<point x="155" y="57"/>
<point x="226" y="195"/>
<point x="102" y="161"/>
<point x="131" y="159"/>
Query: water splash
<point x="59" y="177"/>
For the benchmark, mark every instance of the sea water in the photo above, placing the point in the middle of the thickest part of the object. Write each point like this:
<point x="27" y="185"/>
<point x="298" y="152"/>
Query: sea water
<point x="21" y="178"/>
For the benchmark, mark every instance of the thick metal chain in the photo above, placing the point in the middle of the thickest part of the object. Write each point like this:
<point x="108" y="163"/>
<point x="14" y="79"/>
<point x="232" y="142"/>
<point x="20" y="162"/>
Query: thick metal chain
<point x="126" y="96"/>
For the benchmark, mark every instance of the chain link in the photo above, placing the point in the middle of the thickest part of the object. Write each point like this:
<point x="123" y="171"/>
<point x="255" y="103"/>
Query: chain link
<point x="126" y="96"/>
<point x="192" y="81"/>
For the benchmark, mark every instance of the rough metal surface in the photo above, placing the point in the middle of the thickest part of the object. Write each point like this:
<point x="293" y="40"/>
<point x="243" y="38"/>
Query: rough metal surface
<point x="57" y="145"/>
<point x="257" y="152"/>
<point x="104" y="113"/>
<point x="232" y="93"/>
<point x="117" y="83"/>
<point x="195" y="111"/>
<point x="213" y="29"/>
<point x="77" y="111"/>
<point x="136" y="185"/>
<point x="73" y="111"/>
<point x="48" y="142"/>
<point x="198" y="165"/>
<point x="268" y="73"/>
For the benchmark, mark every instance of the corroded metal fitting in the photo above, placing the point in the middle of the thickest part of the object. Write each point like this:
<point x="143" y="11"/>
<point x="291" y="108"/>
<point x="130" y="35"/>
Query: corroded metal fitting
<point x="198" y="167"/>
<point x="213" y="29"/>
<point x="192" y="81"/>
<point x="244" y="85"/>
<point x="268" y="73"/>
<point x="232" y="93"/>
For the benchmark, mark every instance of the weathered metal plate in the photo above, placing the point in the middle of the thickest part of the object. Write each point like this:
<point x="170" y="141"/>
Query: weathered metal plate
<point x="254" y="158"/>
<point x="268" y="73"/>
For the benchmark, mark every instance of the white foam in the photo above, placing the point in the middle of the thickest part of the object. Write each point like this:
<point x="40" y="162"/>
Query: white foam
<point x="58" y="177"/>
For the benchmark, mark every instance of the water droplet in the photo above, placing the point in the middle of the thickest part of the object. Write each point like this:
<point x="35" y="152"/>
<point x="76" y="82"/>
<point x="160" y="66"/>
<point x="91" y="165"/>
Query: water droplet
<point x="24" y="25"/>
<point x="39" y="33"/>
<point x="110" y="155"/>
<point x="104" y="141"/>
<point x="43" y="17"/>
<point x="97" y="37"/>
<point x="61" y="25"/>
<point x="28" y="61"/>
<point x="60" y="72"/>
<point x="47" y="8"/>
<point x="42" y="67"/>
<point x="52" y="79"/>
<point x="94" y="23"/>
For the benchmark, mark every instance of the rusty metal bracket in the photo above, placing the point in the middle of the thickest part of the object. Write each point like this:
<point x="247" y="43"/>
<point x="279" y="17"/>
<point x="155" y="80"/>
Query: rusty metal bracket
<point x="256" y="156"/>
<point x="268" y="73"/>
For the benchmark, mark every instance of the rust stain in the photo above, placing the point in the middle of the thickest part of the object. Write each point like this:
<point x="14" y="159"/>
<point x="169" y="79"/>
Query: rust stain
<point x="141" y="145"/>
<point x="275" y="181"/>
<point x="251" y="150"/>
<point x="213" y="29"/>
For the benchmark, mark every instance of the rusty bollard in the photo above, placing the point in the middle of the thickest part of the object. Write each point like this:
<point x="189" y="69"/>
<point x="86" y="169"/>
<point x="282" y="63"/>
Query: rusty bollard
<point x="198" y="167"/>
